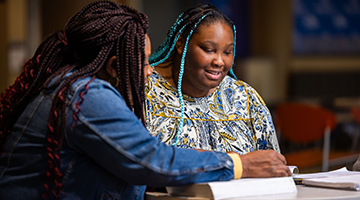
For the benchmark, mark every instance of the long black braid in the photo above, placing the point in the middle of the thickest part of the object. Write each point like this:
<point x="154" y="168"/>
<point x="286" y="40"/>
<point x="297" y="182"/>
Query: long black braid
<point x="99" y="31"/>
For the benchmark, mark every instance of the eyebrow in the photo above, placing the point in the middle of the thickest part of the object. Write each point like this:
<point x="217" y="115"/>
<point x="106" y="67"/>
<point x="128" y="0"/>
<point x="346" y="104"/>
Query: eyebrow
<point x="213" y="43"/>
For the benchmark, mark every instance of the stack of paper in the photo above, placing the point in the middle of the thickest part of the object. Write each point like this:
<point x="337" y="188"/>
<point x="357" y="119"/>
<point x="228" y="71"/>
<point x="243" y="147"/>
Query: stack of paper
<point x="341" y="179"/>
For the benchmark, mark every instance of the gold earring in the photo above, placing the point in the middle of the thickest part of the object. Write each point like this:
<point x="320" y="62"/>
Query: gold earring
<point x="111" y="81"/>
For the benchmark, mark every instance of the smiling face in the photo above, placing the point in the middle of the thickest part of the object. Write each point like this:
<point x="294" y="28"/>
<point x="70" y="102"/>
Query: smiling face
<point x="209" y="59"/>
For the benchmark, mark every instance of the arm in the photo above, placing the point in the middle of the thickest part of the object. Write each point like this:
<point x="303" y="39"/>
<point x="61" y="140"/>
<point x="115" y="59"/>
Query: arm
<point x="109" y="133"/>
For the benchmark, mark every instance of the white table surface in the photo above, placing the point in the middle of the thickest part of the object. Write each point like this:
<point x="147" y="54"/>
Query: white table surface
<point x="303" y="192"/>
<point x="307" y="192"/>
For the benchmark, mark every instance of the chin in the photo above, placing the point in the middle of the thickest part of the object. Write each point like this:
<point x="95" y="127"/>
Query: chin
<point x="213" y="86"/>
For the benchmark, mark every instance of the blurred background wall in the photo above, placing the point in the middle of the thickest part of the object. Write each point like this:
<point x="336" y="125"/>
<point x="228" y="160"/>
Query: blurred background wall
<point x="3" y="48"/>
<point x="269" y="37"/>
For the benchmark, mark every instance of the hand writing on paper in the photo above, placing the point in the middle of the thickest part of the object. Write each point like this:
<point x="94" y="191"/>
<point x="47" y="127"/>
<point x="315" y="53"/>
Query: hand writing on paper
<point x="264" y="163"/>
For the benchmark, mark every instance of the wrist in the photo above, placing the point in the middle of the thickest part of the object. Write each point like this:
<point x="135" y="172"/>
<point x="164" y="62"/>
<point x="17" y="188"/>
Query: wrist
<point x="238" y="168"/>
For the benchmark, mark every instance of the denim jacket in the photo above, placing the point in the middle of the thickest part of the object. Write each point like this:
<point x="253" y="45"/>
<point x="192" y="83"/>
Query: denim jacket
<point x="107" y="153"/>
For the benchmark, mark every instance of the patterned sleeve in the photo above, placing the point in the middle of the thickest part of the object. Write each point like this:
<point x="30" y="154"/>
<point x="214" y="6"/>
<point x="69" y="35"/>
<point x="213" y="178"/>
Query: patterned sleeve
<point x="263" y="126"/>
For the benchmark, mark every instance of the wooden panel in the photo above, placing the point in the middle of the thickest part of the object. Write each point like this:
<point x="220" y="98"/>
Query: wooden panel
<point x="3" y="48"/>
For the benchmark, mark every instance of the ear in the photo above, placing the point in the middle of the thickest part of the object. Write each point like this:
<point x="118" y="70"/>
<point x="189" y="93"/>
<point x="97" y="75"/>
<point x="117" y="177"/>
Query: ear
<point x="179" y="45"/>
<point x="109" y="67"/>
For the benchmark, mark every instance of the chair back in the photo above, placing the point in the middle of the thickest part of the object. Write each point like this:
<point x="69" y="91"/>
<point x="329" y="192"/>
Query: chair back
<point x="302" y="123"/>
<point x="355" y="112"/>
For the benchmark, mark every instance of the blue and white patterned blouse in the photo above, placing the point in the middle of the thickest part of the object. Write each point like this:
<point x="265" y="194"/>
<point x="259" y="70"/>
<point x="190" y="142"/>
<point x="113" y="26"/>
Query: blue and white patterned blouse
<point x="233" y="118"/>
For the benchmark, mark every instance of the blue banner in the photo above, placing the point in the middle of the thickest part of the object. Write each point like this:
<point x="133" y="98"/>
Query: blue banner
<point x="326" y="27"/>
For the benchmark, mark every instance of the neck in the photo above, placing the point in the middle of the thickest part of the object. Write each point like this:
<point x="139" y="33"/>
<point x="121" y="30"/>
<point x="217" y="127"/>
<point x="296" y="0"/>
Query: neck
<point x="165" y="70"/>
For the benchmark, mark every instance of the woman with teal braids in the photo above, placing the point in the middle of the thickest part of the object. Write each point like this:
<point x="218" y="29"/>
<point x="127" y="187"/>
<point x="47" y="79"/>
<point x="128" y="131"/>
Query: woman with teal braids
<point x="194" y="99"/>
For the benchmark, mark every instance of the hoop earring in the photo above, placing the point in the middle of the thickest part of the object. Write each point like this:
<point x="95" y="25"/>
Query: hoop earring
<point x="116" y="79"/>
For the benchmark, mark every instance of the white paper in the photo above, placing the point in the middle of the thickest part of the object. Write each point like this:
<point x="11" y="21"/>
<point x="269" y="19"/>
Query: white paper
<point x="334" y="173"/>
<point x="344" y="182"/>
<point x="341" y="178"/>
<point x="246" y="187"/>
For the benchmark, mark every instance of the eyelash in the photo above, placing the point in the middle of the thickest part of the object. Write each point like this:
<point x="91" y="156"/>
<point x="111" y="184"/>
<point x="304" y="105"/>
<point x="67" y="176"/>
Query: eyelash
<point x="210" y="51"/>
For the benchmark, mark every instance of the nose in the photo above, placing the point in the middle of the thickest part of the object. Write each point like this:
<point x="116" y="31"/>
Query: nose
<point x="218" y="60"/>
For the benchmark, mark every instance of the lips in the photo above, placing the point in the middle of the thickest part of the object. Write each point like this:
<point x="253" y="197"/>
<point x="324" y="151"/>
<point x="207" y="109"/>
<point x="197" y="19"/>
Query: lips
<point x="213" y="74"/>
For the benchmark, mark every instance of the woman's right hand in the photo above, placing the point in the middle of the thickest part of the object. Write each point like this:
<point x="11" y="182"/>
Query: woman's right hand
<point x="264" y="163"/>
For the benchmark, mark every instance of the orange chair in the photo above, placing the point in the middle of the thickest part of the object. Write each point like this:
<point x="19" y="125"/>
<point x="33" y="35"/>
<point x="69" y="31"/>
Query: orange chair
<point x="355" y="112"/>
<point x="301" y="124"/>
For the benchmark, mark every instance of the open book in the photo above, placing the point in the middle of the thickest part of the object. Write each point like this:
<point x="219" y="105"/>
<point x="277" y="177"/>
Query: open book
<point x="341" y="179"/>
<point x="243" y="187"/>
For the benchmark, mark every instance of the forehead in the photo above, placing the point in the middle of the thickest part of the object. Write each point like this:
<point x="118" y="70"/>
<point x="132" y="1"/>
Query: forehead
<point x="215" y="29"/>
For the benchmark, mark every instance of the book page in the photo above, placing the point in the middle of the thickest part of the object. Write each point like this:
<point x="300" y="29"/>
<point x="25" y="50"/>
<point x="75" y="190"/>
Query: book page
<point x="351" y="182"/>
<point x="246" y="187"/>
<point x="340" y="178"/>
<point x="334" y="173"/>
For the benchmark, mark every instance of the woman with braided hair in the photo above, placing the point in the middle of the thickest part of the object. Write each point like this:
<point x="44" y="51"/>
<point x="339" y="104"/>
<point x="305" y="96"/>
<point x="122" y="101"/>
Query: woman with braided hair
<point x="70" y="128"/>
<point x="194" y="99"/>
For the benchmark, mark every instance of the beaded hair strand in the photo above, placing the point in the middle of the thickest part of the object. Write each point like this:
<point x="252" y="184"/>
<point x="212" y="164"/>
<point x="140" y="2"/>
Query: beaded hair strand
<point x="180" y="80"/>
<point x="187" y="24"/>
<point x="231" y="71"/>
<point x="99" y="31"/>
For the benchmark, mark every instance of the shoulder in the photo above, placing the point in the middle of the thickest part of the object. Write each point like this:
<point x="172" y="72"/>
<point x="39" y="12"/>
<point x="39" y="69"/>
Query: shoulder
<point x="94" y="89"/>
<point x="155" y="77"/>
<point x="157" y="84"/>
<point x="239" y="85"/>
<point x="242" y="87"/>
<point x="97" y="99"/>
<point x="92" y="83"/>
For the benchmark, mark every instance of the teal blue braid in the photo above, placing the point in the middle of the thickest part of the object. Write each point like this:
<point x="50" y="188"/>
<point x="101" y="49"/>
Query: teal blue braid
<point x="169" y="53"/>
<point x="180" y="79"/>
<point x="231" y="69"/>
<point x="165" y="47"/>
